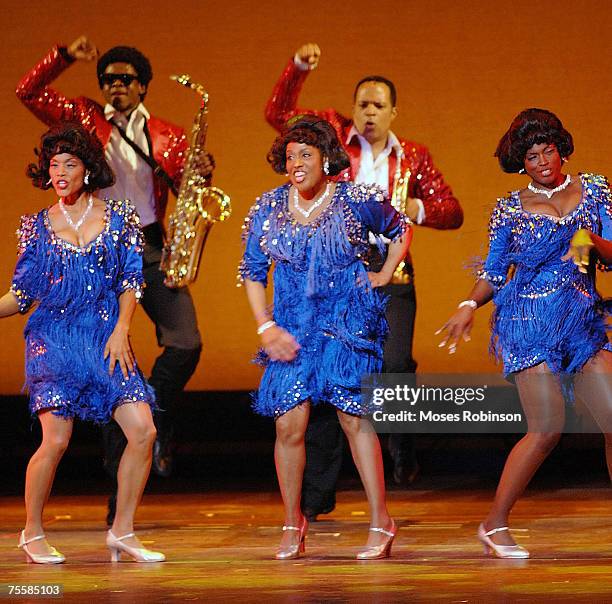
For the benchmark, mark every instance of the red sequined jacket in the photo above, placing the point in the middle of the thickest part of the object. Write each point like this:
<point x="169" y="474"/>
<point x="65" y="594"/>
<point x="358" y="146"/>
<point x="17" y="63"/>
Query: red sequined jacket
<point x="442" y="210"/>
<point x="168" y="141"/>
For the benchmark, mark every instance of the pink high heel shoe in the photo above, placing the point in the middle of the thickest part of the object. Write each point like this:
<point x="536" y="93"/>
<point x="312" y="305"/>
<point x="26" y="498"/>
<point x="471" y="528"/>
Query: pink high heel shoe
<point x="501" y="551"/>
<point x="376" y="552"/>
<point x="54" y="557"/>
<point x="290" y="552"/>
<point x="139" y="554"/>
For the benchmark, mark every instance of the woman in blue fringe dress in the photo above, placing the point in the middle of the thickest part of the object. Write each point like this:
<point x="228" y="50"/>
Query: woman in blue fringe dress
<point x="80" y="264"/>
<point x="549" y="322"/>
<point x="327" y="326"/>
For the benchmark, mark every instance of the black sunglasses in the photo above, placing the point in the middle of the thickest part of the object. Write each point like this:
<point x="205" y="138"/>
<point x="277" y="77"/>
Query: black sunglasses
<point x="108" y="79"/>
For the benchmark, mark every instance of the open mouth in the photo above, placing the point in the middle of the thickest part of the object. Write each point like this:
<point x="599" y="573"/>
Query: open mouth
<point x="299" y="176"/>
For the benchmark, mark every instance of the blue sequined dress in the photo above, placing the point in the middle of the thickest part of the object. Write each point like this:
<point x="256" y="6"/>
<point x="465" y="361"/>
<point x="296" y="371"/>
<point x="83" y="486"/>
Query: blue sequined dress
<point x="546" y="309"/>
<point x="77" y="294"/>
<point x="322" y="295"/>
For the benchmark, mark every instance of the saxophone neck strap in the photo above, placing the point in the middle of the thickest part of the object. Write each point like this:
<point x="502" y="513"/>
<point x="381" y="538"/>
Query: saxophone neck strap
<point x="149" y="159"/>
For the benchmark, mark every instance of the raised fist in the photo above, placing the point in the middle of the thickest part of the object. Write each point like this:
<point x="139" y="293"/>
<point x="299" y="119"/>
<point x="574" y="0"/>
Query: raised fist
<point x="82" y="49"/>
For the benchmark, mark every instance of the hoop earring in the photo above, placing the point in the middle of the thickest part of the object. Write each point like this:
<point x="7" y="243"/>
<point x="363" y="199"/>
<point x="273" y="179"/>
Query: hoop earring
<point x="326" y="167"/>
<point x="49" y="181"/>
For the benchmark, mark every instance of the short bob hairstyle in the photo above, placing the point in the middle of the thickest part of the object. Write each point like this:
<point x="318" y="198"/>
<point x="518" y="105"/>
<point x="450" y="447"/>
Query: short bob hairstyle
<point x="531" y="127"/>
<point x="72" y="138"/>
<point x="314" y="131"/>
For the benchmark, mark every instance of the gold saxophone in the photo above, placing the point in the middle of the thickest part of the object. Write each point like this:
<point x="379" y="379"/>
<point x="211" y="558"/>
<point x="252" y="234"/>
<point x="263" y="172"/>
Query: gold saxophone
<point x="198" y="206"/>
<point x="398" y="200"/>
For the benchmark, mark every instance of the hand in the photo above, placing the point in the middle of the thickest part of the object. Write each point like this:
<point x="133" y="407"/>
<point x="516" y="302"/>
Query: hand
<point x="119" y="350"/>
<point x="412" y="208"/>
<point x="82" y="49"/>
<point x="580" y="250"/>
<point x="279" y="344"/>
<point x="205" y="164"/>
<point x="379" y="279"/>
<point x="309" y="53"/>
<point x="458" y="326"/>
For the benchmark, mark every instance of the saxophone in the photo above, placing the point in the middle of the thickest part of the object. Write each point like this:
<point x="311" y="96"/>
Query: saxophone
<point x="197" y="208"/>
<point x="398" y="200"/>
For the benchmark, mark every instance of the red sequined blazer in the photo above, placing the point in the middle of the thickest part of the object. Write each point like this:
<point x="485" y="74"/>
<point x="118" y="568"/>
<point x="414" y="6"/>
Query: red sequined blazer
<point x="168" y="141"/>
<point x="442" y="210"/>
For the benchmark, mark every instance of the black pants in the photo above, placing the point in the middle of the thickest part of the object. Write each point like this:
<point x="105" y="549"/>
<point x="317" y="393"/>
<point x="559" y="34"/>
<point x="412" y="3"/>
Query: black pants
<point x="324" y="437"/>
<point x="173" y="314"/>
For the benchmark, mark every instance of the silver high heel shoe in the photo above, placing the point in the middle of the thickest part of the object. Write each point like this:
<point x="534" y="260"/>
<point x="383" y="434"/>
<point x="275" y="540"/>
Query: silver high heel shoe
<point x="139" y="554"/>
<point x="375" y="552"/>
<point x="293" y="551"/>
<point x="54" y="557"/>
<point x="501" y="551"/>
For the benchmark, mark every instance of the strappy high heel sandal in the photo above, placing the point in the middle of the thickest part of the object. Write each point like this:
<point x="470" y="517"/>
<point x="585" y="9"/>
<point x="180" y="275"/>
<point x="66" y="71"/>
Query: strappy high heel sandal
<point x="383" y="550"/>
<point x="501" y="551"/>
<point x="54" y="557"/>
<point x="294" y="550"/>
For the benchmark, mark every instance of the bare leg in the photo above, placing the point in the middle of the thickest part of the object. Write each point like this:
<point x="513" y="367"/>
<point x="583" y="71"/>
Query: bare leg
<point x="290" y="458"/>
<point x="365" y="448"/>
<point x="136" y="422"/>
<point x="544" y="406"/>
<point x="594" y="387"/>
<point x="56" y="432"/>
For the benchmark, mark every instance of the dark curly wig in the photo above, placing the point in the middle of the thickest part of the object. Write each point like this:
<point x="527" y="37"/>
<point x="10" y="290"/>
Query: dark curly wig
<point x="69" y="137"/>
<point x="314" y="131"/>
<point x="531" y="127"/>
<point x="126" y="54"/>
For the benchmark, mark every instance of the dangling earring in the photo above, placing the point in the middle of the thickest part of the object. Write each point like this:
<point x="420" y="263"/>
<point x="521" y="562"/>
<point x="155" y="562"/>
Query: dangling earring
<point x="522" y="171"/>
<point x="86" y="179"/>
<point x="564" y="159"/>
<point x="326" y="166"/>
<point x="49" y="181"/>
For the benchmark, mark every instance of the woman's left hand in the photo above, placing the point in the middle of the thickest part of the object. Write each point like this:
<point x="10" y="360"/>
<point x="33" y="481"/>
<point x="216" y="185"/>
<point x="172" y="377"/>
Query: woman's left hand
<point x="580" y="249"/>
<point x="379" y="279"/>
<point x="119" y="350"/>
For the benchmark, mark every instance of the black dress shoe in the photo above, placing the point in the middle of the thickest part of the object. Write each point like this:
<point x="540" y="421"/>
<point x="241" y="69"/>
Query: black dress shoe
<point x="162" y="458"/>
<point x="112" y="510"/>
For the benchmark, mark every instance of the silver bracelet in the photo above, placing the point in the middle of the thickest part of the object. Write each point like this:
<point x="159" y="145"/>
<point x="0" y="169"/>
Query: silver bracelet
<point x="265" y="326"/>
<point x="471" y="303"/>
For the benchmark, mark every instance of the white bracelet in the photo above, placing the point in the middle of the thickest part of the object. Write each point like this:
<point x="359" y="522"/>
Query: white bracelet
<point x="471" y="303"/>
<point x="265" y="326"/>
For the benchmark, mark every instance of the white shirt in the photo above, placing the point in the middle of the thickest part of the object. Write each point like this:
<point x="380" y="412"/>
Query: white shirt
<point x="133" y="176"/>
<point x="376" y="171"/>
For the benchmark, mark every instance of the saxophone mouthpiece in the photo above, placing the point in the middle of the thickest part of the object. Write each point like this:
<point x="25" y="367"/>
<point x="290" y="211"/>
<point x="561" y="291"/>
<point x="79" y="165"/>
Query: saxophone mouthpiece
<point x="184" y="79"/>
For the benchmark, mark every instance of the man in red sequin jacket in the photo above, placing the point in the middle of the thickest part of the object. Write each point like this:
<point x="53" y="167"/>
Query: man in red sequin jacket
<point x="405" y="170"/>
<point x="124" y="74"/>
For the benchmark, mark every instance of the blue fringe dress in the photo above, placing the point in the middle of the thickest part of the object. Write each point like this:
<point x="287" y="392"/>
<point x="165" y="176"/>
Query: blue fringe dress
<point x="77" y="291"/>
<point x="546" y="309"/>
<point x="322" y="295"/>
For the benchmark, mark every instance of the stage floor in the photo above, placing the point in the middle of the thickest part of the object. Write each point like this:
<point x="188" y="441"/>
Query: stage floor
<point x="220" y="547"/>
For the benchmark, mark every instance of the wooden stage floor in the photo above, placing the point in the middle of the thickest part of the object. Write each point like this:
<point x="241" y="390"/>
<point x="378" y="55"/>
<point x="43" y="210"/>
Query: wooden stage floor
<point x="220" y="547"/>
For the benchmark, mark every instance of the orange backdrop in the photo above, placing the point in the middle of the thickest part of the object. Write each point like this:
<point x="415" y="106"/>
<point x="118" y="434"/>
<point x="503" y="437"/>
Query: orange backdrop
<point x="463" y="69"/>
